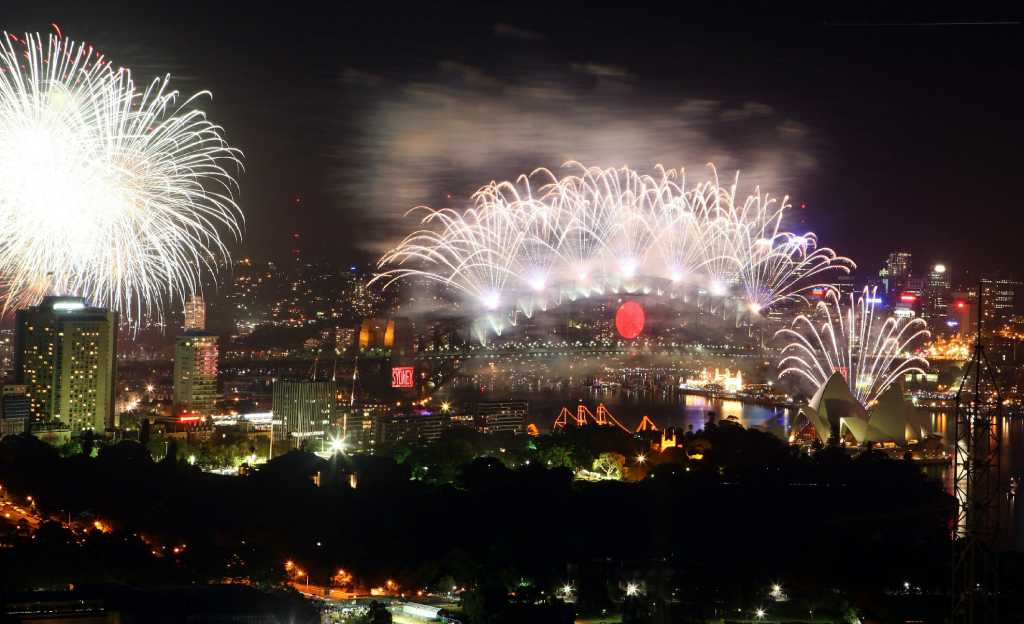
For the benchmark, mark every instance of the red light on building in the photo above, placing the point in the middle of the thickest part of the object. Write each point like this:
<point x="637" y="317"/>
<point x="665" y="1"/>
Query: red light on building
<point x="184" y="418"/>
<point x="960" y="304"/>
<point x="629" y="320"/>
<point x="402" y="377"/>
<point x="908" y="298"/>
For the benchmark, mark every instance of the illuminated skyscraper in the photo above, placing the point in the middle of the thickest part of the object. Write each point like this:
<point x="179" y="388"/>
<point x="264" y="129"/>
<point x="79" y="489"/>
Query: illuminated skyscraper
<point x="936" y="305"/>
<point x="195" y="313"/>
<point x="999" y="299"/>
<point x="896" y="271"/>
<point x="305" y="408"/>
<point x="64" y="356"/>
<point x="195" y="373"/>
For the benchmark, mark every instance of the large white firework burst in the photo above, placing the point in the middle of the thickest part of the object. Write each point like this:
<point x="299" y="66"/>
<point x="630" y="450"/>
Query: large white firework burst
<point x="108" y="191"/>
<point x="870" y="351"/>
<point x="544" y="236"/>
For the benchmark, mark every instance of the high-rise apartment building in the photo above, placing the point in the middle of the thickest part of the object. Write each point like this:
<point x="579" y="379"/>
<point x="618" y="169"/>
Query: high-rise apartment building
<point x="896" y="270"/>
<point x="65" y="356"/>
<point x="936" y="292"/>
<point x="195" y="373"/>
<point x="999" y="300"/>
<point x="899" y="264"/>
<point x="195" y="313"/>
<point x="305" y="408"/>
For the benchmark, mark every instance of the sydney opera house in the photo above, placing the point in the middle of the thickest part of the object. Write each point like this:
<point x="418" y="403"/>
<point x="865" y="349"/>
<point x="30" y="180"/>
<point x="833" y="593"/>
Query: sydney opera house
<point x="834" y="409"/>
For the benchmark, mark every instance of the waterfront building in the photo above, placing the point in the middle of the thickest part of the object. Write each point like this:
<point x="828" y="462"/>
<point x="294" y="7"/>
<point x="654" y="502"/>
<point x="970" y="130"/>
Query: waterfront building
<point x="502" y="416"/>
<point x="892" y="420"/>
<point x="418" y="425"/>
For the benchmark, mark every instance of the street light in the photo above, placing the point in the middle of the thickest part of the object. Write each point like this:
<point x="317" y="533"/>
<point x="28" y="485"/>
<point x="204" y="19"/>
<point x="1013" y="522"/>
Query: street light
<point x="632" y="589"/>
<point x="337" y="445"/>
<point x="759" y="614"/>
<point x="641" y="458"/>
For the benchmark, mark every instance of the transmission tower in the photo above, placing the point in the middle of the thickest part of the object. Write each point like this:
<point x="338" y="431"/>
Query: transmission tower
<point x="977" y="488"/>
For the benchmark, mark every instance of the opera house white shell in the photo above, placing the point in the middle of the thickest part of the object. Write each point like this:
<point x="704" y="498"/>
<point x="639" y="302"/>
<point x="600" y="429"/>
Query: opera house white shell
<point x="891" y="419"/>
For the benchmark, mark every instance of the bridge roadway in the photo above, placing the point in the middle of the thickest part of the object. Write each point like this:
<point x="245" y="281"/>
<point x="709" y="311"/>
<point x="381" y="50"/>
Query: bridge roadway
<point x="590" y="351"/>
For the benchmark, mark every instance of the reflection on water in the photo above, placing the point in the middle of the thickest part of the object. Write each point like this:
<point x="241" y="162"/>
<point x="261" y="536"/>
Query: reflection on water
<point x="690" y="412"/>
<point x="667" y="408"/>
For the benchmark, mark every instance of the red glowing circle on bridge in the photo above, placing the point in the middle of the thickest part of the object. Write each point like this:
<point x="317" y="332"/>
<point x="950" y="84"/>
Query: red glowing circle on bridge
<point x="629" y="320"/>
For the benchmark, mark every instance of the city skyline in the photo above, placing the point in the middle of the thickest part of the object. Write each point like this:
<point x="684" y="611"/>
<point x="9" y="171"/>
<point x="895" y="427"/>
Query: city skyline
<point x="483" y="314"/>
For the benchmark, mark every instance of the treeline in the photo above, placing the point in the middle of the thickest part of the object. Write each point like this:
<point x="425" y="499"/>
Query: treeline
<point x="507" y="518"/>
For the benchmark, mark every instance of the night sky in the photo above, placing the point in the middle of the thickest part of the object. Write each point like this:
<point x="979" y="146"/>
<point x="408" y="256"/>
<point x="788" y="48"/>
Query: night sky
<point x="897" y="130"/>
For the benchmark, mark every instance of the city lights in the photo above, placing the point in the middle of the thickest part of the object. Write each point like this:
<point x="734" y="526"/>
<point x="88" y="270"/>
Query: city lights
<point x="337" y="445"/>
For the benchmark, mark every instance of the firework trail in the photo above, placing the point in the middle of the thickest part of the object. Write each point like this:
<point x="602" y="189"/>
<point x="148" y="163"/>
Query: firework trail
<point x="543" y="236"/>
<point x="869" y="351"/>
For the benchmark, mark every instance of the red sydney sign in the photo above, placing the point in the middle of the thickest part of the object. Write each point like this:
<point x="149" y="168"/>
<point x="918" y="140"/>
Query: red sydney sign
<point x="402" y="377"/>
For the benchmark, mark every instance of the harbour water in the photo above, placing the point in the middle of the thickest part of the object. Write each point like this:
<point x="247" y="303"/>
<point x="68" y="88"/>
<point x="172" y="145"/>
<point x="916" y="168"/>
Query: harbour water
<point x="692" y="411"/>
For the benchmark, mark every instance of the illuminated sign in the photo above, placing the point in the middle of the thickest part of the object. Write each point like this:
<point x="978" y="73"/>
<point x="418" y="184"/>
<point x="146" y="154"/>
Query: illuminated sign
<point x="402" y="377"/>
<point x="68" y="305"/>
<point x="875" y="300"/>
<point x="908" y="298"/>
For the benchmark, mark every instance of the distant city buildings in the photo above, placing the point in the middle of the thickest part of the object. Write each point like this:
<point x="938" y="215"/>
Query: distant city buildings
<point x="64" y="356"/>
<point x="417" y="425"/>
<point x="999" y="300"/>
<point x="195" y="373"/>
<point x="897" y="269"/>
<point x="937" y="292"/>
<point x="14" y="410"/>
<point x="195" y="313"/>
<point x="6" y="349"/>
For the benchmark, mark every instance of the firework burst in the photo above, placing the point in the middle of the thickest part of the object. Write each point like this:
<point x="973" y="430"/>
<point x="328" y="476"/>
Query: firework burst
<point x="871" y="352"/>
<point x="544" y="236"/>
<point x="109" y="191"/>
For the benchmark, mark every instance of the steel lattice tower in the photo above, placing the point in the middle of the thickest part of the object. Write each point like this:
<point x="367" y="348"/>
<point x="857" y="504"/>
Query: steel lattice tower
<point x="977" y="488"/>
